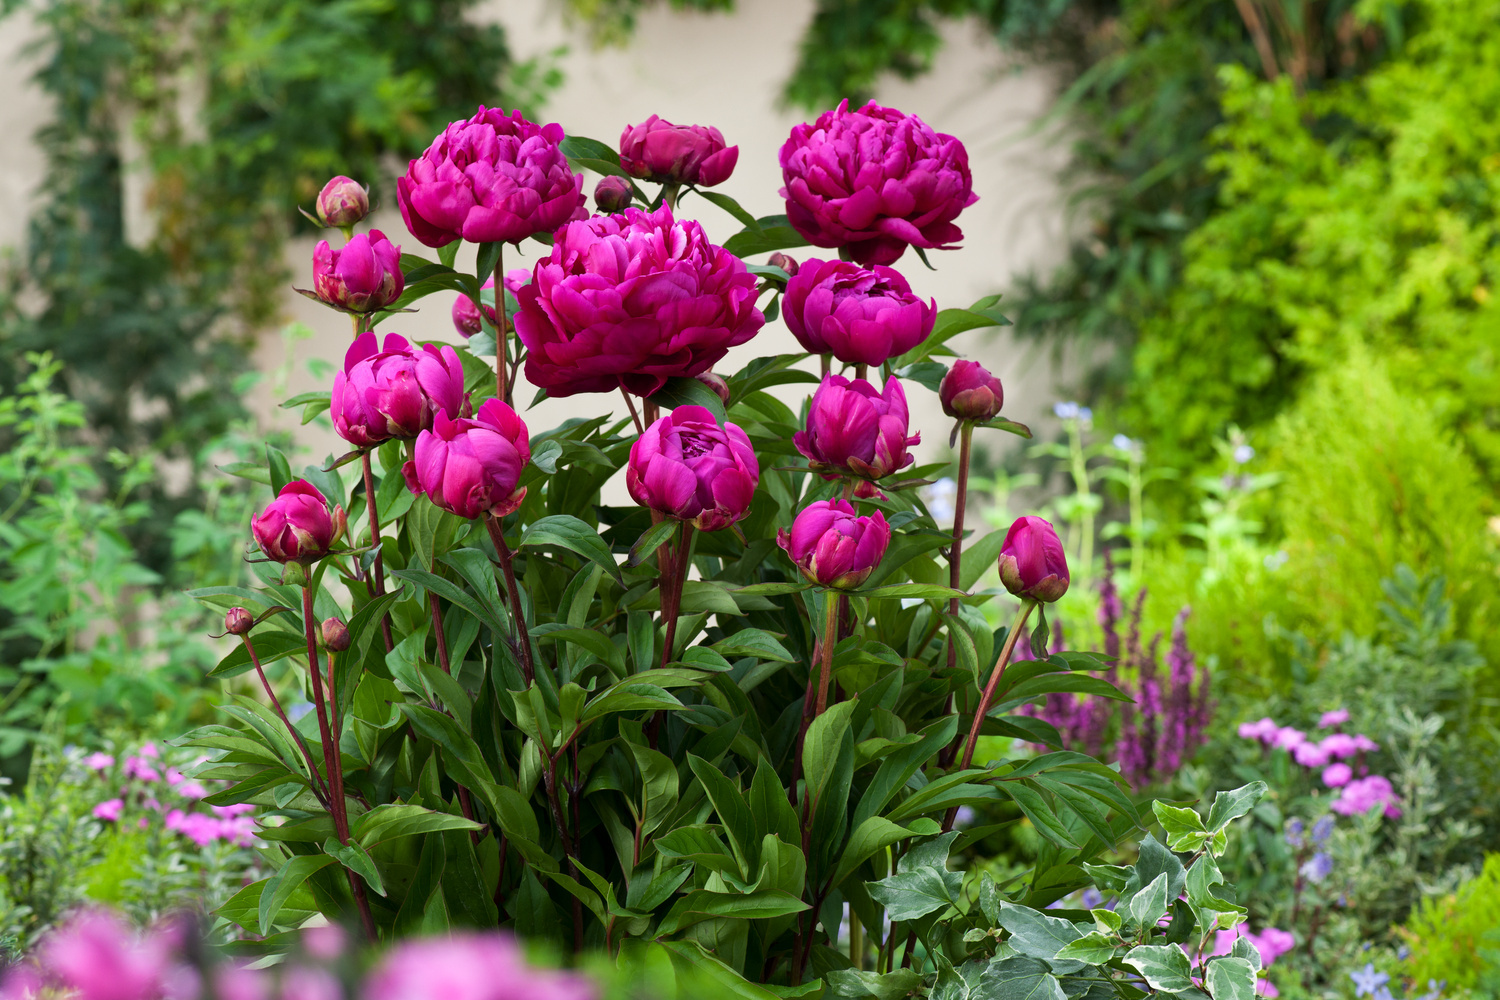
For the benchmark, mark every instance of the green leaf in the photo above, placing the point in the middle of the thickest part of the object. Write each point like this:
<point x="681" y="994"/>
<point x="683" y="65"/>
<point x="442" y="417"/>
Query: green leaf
<point x="287" y="880"/>
<point x="1150" y="904"/>
<point x="729" y="804"/>
<point x="1108" y="921"/>
<point x="280" y="469"/>
<point x="651" y="539"/>
<point x="1164" y="966"/>
<point x="1019" y="978"/>
<point x="925" y="591"/>
<point x="852" y="984"/>
<point x="683" y="391"/>
<point x="355" y="858"/>
<point x="1153" y="860"/>
<point x="702" y="904"/>
<point x="390" y="820"/>
<point x="1010" y="426"/>
<point x="753" y="642"/>
<point x="567" y="531"/>
<point x="270" y="645"/>
<point x="1230" y="806"/>
<point x="873" y="835"/>
<point x="731" y="206"/>
<point x="1184" y="827"/>
<point x="1093" y="948"/>
<point x="1036" y="935"/>
<point x="766" y="239"/>
<point x="1230" y="979"/>
<point x="909" y="895"/>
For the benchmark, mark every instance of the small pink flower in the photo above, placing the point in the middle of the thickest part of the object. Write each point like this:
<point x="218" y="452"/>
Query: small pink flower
<point x="138" y="769"/>
<point x="1362" y="795"/>
<point x="326" y="943"/>
<point x="1288" y="738"/>
<point x="1340" y="745"/>
<point x="148" y="750"/>
<point x="1337" y="717"/>
<point x="1264" y="730"/>
<point x="110" y="810"/>
<point x="98" y="761"/>
<point x="1337" y="775"/>
<point x="191" y="789"/>
<point x="1310" y="755"/>
<point x="1363" y="743"/>
<point x="231" y="811"/>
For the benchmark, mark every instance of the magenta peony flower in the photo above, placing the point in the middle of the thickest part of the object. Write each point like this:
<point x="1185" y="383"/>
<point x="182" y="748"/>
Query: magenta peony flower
<point x="472" y="466"/>
<point x="364" y="276"/>
<point x="343" y="202"/>
<point x="834" y="548"/>
<point x="681" y="154"/>
<point x="875" y="181"/>
<point x="970" y="392"/>
<point x="1032" y="562"/>
<point x="861" y="317"/>
<point x="629" y="301"/>
<point x="466" y="316"/>
<point x="689" y="468"/>
<point x="296" y="526"/>
<point x="395" y="393"/>
<point x="468" y="966"/>
<point x="854" y="430"/>
<point x="493" y="178"/>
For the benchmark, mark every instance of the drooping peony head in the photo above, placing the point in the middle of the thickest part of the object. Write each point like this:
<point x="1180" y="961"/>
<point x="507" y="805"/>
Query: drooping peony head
<point x="689" y="468"/>
<point x="493" y="178"/>
<point x="1032" y="562"/>
<point x="466" y="315"/>
<point x="684" y="154"/>
<point x="297" y="525"/>
<point x="833" y="547"/>
<point x="970" y="392"/>
<point x="468" y="966"/>
<point x="362" y="276"/>
<point x="394" y="393"/>
<point x="861" y="317"/>
<point x="854" y="430"/>
<point x="875" y="181"/>
<point x="472" y="466"/>
<point x="631" y="300"/>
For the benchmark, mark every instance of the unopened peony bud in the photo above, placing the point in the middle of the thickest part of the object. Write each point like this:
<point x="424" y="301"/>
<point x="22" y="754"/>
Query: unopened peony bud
<point x="690" y="468"/>
<point x="238" y="621"/>
<point x="1032" y="562"/>
<point x="335" y="635"/>
<point x="679" y="154"/>
<point x="612" y="194"/>
<point x="716" y="383"/>
<point x="787" y="264"/>
<point x="970" y="392"/>
<point x="832" y="547"/>
<point x="342" y="202"/>
<point x="297" y="526"/>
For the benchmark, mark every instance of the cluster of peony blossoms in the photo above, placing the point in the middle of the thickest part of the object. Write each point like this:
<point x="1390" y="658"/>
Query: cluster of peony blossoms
<point x="1341" y="757"/>
<point x="97" y="956"/>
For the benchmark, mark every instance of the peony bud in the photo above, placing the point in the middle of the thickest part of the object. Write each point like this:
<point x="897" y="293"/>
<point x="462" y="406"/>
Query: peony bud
<point x="855" y="431"/>
<point x="787" y="264"/>
<point x="677" y="154"/>
<point x="716" y="383"/>
<point x="238" y="621"/>
<point x="381" y="394"/>
<point x="364" y="276"/>
<point x="613" y="194"/>
<point x="834" y="548"/>
<point x="472" y="466"/>
<point x="297" y="527"/>
<point x="689" y="468"/>
<point x="1032" y="562"/>
<point x="342" y="202"/>
<point x="970" y="392"/>
<point x="335" y="635"/>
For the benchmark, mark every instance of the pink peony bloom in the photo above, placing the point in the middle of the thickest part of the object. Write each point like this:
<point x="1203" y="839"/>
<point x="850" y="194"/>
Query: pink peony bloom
<point x="860" y="316"/>
<point x="361" y="277"/>
<point x="394" y="391"/>
<point x="689" y="468"/>
<point x="855" y="431"/>
<point x="628" y="301"/>
<point x="681" y="154"/>
<point x="297" y="525"/>
<point x="100" y="958"/>
<point x="472" y="466"/>
<point x="834" y="548"/>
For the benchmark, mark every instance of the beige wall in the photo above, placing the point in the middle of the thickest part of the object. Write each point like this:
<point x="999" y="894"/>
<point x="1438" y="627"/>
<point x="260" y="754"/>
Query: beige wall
<point x="710" y="69"/>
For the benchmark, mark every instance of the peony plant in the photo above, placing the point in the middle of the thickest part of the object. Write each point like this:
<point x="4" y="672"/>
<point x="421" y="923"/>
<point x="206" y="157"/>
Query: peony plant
<point x="711" y="726"/>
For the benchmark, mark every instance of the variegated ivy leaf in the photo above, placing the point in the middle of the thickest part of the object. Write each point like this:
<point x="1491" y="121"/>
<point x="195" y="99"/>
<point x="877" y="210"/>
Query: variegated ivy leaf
<point x="1164" y="966"/>
<point x="1091" y="949"/>
<point x="1184" y="827"/>
<point x="1230" y="979"/>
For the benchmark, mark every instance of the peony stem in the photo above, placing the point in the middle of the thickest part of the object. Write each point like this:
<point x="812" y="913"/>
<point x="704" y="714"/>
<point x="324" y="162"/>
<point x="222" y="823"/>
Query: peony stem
<point x="502" y="338"/>
<point x="630" y="404"/>
<point x="379" y="564"/>
<point x="332" y="761"/>
<point x="989" y="693"/>
<point x="523" y="635"/>
<point x="675" y="572"/>
<point x="830" y="639"/>
<point x="955" y="557"/>
<point x="861" y="370"/>
<point x="319" y="787"/>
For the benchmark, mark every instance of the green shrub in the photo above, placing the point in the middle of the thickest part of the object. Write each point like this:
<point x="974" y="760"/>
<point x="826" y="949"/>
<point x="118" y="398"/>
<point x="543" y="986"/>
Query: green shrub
<point x="1373" y="479"/>
<point x="1446" y="934"/>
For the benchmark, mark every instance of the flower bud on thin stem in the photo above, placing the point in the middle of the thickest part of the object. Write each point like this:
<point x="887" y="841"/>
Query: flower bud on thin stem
<point x="238" y="621"/>
<point x="319" y="787"/>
